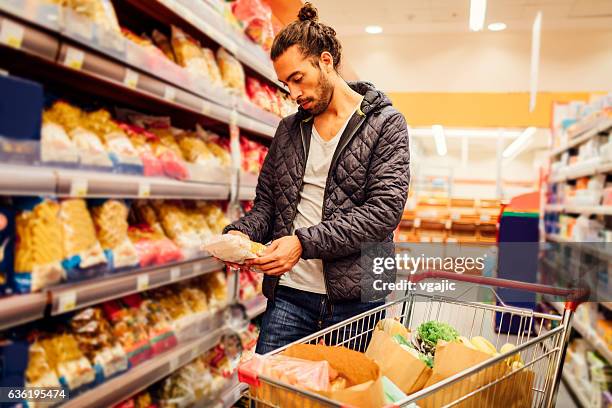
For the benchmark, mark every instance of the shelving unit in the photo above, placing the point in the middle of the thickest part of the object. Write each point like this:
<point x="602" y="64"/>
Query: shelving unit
<point x="580" y="209"/>
<point x="590" y="131"/>
<point x="572" y="384"/>
<point x="256" y="306"/>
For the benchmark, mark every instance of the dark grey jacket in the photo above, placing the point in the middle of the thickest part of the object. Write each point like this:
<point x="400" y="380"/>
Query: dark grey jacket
<point x="364" y="197"/>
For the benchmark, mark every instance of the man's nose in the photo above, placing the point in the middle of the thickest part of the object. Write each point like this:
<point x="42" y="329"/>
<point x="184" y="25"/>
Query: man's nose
<point x="294" y="92"/>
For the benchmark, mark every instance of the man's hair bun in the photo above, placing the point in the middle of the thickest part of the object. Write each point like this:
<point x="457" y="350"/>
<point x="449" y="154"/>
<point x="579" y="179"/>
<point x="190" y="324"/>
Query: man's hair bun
<point x="308" y="13"/>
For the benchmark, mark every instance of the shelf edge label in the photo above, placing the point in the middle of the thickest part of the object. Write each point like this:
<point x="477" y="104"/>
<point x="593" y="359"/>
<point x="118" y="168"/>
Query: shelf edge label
<point x="142" y="282"/>
<point x="78" y="187"/>
<point x="175" y="273"/>
<point x="11" y="34"/>
<point x="170" y="93"/>
<point x="144" y="190"/>
<point x="74" y="58"/>
<point x="67" y="301"/>
<point x="131" y="79"/>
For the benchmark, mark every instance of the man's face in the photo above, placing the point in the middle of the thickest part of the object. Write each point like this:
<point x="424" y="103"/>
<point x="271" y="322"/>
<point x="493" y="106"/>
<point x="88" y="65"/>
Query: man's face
<point x="308" y="84"/>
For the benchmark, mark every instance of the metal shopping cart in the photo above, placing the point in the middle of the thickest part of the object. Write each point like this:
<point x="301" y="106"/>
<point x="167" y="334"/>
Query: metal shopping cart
<point x="534" y="384"/>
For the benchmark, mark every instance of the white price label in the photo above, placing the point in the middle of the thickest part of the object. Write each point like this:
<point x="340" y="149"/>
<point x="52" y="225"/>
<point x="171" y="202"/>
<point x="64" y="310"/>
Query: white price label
<point x="197" y="268"/>
<point x="234" y="118"/>
<point x="67" y="302"/>
<point x="78" y="188"/>
<point x="144" y="190"/>
<point x="142" y="283"/>
<point x="11" y="34"/>
<point x="170" y="93"/>
<point x="74" y="58"/>
<point x="206" y="108"/>
<point x="174" y="363"/>
<point x="131" y="79"/>
<point x="175" y="273"/>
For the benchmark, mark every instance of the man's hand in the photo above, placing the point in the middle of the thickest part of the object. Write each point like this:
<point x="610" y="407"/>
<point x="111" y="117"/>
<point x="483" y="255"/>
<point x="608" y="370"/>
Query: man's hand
<point x="231" y="264"/>
<point x="280" y="256"/>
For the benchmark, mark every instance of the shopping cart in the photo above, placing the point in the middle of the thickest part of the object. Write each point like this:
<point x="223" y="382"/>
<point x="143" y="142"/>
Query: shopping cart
<point x="540" y="345"/>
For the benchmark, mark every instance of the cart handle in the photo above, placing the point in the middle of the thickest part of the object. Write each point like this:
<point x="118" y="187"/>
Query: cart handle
<point x="574" y="296"/>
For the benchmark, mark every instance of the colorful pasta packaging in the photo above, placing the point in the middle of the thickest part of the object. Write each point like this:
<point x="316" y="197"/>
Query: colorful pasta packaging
<point x="55" y="144"/>
<point x="231" y="72"/>
<point x="39" y="249"/>
<point x="39" y="373"/>
<point x="83" y="254"/>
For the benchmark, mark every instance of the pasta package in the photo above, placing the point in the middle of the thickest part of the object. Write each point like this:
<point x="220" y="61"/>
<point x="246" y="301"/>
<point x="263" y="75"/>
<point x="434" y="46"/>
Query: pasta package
<point x="66" y="359"/>
<point x="55" y="145"/>
<point x="176" y="225"/>
<point x="110" y="221"/>
<point x="94" y="336"/>
<point x="143" y="142"/>
<point x="39" y="247"/>
<point x="39" y="373"/>
<point x="215" y="286"/>
<point x="216" y="218"/>
<point x="215" y="146"/>
<point x="231" y="71"/>
<point x="88" y="144"/>
<point x="99" y="11"/>
<point x="83" y="254"/>
<point x="188" y="53"/>
<point x="213" y="69"/>
<point x="233" y="248"/>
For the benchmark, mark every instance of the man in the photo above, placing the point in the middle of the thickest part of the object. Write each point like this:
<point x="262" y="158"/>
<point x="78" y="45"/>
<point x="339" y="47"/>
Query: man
<point x="336" y="176"/>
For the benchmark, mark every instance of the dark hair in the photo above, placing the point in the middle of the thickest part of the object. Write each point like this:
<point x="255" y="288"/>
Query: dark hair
<point x="311" y="36"/>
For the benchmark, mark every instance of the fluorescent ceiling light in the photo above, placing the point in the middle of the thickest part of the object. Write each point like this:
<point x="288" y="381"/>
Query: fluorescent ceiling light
<point x="497" y="27"/>
<point x="440" y="139"/>
<point x="519" y="142"/>
<point x="478" y="11"/>
<point x="373" y="29"/>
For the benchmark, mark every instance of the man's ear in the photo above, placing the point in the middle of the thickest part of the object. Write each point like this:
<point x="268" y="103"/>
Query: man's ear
<point x="326" y="61"/>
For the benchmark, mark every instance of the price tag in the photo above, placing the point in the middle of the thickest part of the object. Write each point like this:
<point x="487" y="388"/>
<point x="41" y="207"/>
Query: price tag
<point x="173" y="364"/>
<point x="170" y="93"/>
<point x="233" y="118"/>
<point x="78" y="188"/>
<point x="197" y="268"/>
<point x="144" y="190"/>
<point x="206" y="108"/>
<point x="67" y="302"/>
<point x="74" y="58"/>
<point x="175" y="273"/>
<point x="131" y="79"/>
<point x="11" y="34"/>
<point x="142" y="283"/>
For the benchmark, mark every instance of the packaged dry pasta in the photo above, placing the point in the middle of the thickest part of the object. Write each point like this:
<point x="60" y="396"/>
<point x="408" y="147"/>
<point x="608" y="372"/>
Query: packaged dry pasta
<point x="215" y="146"/>
<point x="215" y="286"/>
<point x="153" y="247"/>
<point x="197" y="221"/>
<point x="67" y="361"/>
<point x="110" y="220"/>
<point x="233" y="248"/>
<point x="189" y="53"/>
<point x="55" y="145"/>
<point x="231" y="71"/>
<point x="88" y="144"/>
<point x="39" y="373"/>
<point x="122" y="152"/>
<point x="194" y="148"/>
<point x="175" y="223"/>
<point x="216" y="218"/>
<point x="143" y="142"/>
<point x="213" y="69"/>
<point x="100" y="12"/>
<point x="96" y="340"/>
<point x="39" y="249"/>
<point x="83" y="254"/>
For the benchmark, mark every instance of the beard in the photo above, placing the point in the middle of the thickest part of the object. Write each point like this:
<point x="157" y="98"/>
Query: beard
<point x="324" y="93"/>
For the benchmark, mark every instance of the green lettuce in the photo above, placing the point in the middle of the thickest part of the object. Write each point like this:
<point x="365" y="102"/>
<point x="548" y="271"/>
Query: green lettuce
<point x="432" y="331"/>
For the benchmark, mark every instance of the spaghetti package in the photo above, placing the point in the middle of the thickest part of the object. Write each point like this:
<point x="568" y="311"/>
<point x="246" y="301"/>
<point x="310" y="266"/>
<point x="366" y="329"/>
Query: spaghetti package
<point x="121" y="150"/>
<point x="39" y="249"/>
<point x="83" y="254"/>
<point x="100" y="12"/>
<point x="88" y="144"/>
<point x="95" y="338"/>
<point x="231" y="71"/>
<point x="110" y="220"/>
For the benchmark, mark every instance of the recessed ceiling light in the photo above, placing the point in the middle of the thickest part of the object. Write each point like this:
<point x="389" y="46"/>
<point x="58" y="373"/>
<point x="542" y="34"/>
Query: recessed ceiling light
<point x="478" y="12"/>
<point x="497" y="26"/>
<point x="373" y="29"/>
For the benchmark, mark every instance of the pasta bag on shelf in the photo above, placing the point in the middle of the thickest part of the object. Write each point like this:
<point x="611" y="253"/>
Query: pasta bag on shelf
<point x="189" y="53"/>
<point x="143" y="142"/>
<point x="83" y="254"/>
<point x="197" y="221"/>
<point x="122" y="152"/>
<point x="110" y="220"/>
<point x="88" y="144"/>
<point x="231" y="72"/>
<point x="215" y="216"/>
<point x="55" y="145"/>
<point x="177" y="227"/>
<point x="94" y="335"/>
<point x="215" y="286"/>
<point x="216" y="147"/>
<point x="39" y="247"/>
<point x="39" y="373"/>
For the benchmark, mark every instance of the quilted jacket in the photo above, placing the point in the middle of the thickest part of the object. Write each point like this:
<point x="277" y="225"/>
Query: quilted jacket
<point x="364" y="196"/>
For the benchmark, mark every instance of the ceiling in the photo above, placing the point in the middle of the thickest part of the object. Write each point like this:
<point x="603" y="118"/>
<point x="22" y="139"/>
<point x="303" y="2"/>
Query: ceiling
<point x="430" y="16"/>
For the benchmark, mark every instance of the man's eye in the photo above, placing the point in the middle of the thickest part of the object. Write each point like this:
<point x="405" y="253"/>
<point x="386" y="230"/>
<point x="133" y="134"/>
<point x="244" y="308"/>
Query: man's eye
<point x="297" y="80"/>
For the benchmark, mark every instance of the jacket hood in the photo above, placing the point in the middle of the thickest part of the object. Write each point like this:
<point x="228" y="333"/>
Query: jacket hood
<point x="373" y="99"/>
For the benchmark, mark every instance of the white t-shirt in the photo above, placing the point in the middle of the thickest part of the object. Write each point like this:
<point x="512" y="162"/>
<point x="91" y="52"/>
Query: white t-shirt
<point x="307" y="274"/>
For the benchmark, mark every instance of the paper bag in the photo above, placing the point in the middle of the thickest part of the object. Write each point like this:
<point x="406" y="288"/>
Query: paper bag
<point x="360" y="371"/>
<point x="452" y="358"/>
<point x="407" y="372"/>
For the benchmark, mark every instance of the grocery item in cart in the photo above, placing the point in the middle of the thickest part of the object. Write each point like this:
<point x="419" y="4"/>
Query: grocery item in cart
<point x="232" y="72"/>
<point x="38" y="249"/>
<point x="233" y="248"/>
<point x="88" y="144"/>
<point x="67" y="361"/>
<point x="83" y="254"/>
<point x="110" y="221"/>
<point x="96" y="340"/>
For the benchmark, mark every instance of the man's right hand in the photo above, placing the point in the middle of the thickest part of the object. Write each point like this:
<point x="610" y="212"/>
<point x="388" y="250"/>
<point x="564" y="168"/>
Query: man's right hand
<point x="232" y="264"/>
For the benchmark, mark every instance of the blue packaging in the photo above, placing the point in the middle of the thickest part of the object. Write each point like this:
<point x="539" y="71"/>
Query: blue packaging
<point x="7" y="247"/>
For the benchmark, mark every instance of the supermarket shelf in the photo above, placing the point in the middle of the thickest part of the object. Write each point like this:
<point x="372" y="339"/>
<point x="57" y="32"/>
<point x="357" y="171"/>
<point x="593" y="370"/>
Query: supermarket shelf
<point x="589" y="334"/>
<point x="584" y="137"/>
<point x="67" y="297"/>
<point x="20" y="309"/>
<point x="256" y="306"/>
<point x="232" y="393"/>
<point x="138" y="378"/>
<point x="46" y="181"/>
<point x="572" y="384"/>
<point x="580" y="209"/>
<point x="161" y="81"/>
<point x="581" y="170"/>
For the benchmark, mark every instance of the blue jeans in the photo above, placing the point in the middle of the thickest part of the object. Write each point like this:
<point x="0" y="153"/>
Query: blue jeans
<point x="294" y="314"/>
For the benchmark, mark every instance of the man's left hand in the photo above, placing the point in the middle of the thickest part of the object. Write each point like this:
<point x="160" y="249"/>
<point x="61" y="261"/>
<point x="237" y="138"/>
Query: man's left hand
<point x="280" y="257"/>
